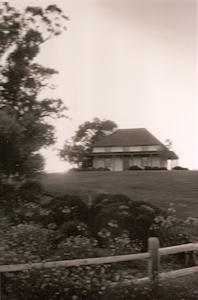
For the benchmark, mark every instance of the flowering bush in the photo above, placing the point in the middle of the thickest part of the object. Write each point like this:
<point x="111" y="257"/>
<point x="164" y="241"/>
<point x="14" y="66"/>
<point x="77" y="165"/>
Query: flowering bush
<point x="172" y="231"/>
<point x="91" y="282"/>
<point x="63" y="209"/>
<point x="31" y="243"/>
<point x="119" y="224"/>
<point x="25" y="243"/>
<point x="111" y="215"/>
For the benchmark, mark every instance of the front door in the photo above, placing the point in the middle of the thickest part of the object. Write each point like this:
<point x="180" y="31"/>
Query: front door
<point x="125" y="163"/>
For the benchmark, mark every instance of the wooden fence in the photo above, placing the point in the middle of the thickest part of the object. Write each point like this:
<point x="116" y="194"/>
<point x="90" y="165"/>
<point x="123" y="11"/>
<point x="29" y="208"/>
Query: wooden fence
<point x="153" y="256"/>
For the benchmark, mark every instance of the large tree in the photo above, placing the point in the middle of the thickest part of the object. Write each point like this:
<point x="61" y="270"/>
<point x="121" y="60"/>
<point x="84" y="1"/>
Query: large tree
<point x="88" y="133"/>
<point x="24" y="117"/>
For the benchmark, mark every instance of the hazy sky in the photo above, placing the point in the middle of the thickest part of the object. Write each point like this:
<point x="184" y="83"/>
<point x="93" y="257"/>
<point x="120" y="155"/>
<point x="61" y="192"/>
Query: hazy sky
<point x="133" y="62"/>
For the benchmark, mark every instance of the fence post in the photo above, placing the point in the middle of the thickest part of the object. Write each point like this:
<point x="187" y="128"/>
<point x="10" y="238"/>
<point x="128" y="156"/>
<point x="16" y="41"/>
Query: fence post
<point x="153" y="262"/>
<point x="89" y="199"/>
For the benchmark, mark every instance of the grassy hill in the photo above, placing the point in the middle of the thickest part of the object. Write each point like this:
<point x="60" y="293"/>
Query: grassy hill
<point x="160" y="188"/>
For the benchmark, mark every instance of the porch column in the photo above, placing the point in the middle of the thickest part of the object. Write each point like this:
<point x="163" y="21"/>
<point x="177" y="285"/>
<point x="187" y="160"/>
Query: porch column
<point x="151" y="160"/>
<point x="113" y="156"/>
<point x="96" y="161"/>
<point x="131" y="160"/>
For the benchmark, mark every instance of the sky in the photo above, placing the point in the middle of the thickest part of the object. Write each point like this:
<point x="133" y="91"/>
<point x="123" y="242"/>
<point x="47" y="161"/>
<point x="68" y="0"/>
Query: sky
<point x="130" y="61"/>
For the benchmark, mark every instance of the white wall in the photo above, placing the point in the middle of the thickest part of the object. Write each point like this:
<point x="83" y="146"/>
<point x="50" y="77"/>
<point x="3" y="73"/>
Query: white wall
<point x="99" y="162"/>
<point x="137" y="161"/>
<point x="156" y="162"/>
<point x="118" y="164"/>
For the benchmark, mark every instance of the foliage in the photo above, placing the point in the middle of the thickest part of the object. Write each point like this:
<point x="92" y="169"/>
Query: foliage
<point x="19" y="245"/>
<point x="135" y="168"/>
<point x="25" y="243"/>
<point x="102" y="169"/>
<point x="180" y="168"/>
<point x="66" y="208"/>
<point x="89" y="169"/>
<point x="111" y="215"/>
<point x="21" y="203"/>
<point x="174" y="289"/>
<point x="164" y="151"/>
<point x="87" y="134"/>
<point x="169" y="144"/>
<point x="23" y="124"/>
<point x="171" y="231"/>
<point x="31" y="242"/>
<point x="104" y="281"/>
<point x="92" y="282"/>
<point x="148" y="168"/>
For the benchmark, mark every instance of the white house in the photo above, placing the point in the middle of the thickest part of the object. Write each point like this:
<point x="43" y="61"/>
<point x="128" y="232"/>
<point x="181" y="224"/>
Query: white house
<point x="130" y="147"/>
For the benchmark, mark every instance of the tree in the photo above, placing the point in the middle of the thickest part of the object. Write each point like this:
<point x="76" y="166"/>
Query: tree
<point x="164" y="150"/>
<point x="24" y="117"/>
<point x="169" y="144"/>
<point x="87" y="134"/>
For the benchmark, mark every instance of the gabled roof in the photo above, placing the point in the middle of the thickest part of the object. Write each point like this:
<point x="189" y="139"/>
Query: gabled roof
<point x="128" y="137"/>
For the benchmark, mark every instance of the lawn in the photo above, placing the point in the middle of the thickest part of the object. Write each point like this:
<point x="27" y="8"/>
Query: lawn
<point x="160" y="188"/>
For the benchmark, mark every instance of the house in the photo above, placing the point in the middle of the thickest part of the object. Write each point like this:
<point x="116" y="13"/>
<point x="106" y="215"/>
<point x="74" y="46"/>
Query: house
<point x="130" y="147"/>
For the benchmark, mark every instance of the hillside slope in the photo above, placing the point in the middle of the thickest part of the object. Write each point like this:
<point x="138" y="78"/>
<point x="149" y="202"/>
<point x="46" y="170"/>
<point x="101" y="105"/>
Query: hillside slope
<point x="160" y="188"/>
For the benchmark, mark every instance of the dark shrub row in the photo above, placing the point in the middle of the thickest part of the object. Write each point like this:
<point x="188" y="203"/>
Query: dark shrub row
<point x="109" y="216"/>
<point x="180" y="168"/>
<point x="136" y="168"/>
<point x="89" y="169"/>
<point x="155" y="168"/>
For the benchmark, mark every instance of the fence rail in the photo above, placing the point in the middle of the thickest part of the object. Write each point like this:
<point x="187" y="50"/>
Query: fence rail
<point x="153" y="255"/>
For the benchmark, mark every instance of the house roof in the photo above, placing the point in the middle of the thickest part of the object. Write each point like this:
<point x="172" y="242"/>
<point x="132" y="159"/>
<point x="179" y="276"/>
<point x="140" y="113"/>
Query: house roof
<point x="129" y="137"/>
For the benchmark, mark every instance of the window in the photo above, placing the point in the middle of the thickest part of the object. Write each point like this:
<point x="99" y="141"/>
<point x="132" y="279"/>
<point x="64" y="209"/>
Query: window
<point x="125" y="149"/>
<point x="107" y="162"/>
<point x="144" y="161"/>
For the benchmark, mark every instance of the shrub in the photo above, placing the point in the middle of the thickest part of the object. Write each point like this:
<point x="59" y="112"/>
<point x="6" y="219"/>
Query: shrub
<point x="64" y="209"/>
<point x="90" y="169"/>
<point x="67" y="229"/>
<point x="74" y="169"/>
<point x="31" y="190"/>
<point x="154" y="168"/>
<point x="134" y="168"/>
<point x="87" y="162"/>
<point x="180" y="168"/>
<point x="147" y="168"/>
<point x="25" y="213"/>
<point x="174" y="289"/>
<point x="112" y="214"/>
<point x="25" y="243"/>
<point x="21" y="203"/>
<point x="92" y="282"/>
<point x="7" y="197"/>
<point x="102" y="169"/>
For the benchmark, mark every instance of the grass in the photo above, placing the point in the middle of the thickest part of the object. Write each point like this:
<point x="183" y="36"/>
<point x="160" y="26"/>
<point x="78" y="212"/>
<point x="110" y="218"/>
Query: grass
<point x="160" y="188"/>
<point x="182" y="288"/>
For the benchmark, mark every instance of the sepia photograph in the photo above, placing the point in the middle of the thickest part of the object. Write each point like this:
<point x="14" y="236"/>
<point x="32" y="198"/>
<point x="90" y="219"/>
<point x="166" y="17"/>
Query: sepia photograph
<point x="98" y="150"/>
